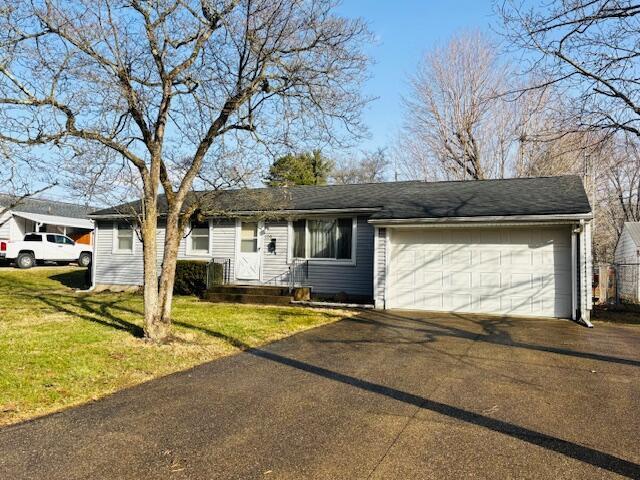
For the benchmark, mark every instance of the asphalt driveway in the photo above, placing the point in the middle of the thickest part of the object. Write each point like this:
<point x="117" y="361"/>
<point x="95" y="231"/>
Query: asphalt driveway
<point x="382" y="395"/>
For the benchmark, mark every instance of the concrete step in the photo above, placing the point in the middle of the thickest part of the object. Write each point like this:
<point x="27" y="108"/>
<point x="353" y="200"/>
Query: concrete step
<point x="250" y="290"/>
<point x="247" y="298"/>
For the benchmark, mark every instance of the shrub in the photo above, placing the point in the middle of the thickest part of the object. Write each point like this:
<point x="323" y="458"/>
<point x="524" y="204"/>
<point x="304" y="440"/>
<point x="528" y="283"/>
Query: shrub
<point x="191" y="277"/>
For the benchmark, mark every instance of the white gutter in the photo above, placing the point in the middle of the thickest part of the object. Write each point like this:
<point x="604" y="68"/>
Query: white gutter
<point x="244" y="213"/>
<point x="570" y="218"/>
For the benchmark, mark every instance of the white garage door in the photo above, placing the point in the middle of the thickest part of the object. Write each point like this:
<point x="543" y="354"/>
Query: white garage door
<point x="521" y="271"/>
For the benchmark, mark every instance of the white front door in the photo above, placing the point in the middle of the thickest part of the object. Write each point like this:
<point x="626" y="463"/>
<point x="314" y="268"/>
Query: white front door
<point x="249" y="251"/>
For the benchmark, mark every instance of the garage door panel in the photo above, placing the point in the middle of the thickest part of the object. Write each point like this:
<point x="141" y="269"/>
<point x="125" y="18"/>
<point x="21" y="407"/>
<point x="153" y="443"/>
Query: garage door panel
<point x="459" y="256"/>
<point x="457" y="280"/>
<point x="489" y="258"/>
<point x="431" y="301"/>
<point x="505" y="271"/>
<point x="521" y="257"/>
<point x="457" y="302"/>
<point x="489" y="303"/>
<point x="489" y="280"/>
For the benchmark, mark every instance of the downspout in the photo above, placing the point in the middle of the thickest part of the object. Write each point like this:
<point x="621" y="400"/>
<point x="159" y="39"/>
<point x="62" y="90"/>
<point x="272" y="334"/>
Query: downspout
<point x="586" y="285"/>
<point x="577" y="264"/>
<point x="574" y="273"/>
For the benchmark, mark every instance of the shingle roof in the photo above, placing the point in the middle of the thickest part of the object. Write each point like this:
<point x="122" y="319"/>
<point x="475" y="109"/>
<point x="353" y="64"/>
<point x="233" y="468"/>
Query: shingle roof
<point x="634" y="230"/>
<point x="46" y="207"/>
<point x="403" y="200"/>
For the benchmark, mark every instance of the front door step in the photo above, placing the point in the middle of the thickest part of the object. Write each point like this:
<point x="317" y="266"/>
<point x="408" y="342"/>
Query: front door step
<point x="258" y="294"/>
<point x="247" y="298"/>
<point x="250" y="289"/>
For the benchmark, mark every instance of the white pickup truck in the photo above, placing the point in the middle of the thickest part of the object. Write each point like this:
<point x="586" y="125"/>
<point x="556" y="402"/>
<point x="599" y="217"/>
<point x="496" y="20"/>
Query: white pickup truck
<point x="45" y="247"/>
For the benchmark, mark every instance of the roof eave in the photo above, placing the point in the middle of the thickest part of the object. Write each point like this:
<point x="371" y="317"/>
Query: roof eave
<point x="562" y="218"/>
<point x="249" y="213"/>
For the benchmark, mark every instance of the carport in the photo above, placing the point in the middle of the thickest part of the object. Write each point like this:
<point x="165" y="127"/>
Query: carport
<point x="79" y="229"/>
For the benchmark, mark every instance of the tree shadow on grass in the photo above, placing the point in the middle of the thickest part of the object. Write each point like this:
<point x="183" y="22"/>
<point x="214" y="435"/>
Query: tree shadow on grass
<point x="95" y="311"/>
<point x="75" y="279"/>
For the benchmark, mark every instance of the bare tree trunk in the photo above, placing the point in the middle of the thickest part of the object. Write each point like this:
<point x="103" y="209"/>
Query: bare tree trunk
<point x="154" y="329"/>
<point x="173" y="235"/>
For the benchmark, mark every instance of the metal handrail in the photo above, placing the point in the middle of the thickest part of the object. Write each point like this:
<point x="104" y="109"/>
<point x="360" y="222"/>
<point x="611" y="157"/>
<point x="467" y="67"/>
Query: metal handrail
<point x="298" y="273"/>
<point x="223" y="279"/>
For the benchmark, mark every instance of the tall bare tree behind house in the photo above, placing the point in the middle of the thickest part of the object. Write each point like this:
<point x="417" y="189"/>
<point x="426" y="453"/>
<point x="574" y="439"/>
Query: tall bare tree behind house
<point x="588" y="52"/>
<point x="456" y="125"/>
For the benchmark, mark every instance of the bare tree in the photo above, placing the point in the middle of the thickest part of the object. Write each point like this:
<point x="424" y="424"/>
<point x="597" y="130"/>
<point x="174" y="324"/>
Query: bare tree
<point x="370" y="168"/>
<point x="457" y="125"/>
<point x="21" y="177"/>
<point x="168" y="86"/>
<point x="589" y="49"/>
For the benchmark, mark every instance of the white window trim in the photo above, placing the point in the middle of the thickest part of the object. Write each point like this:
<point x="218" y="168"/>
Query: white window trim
<point x="115" y="248"/>
<point x="323" y="261"/>
<point x="189" y="251"/>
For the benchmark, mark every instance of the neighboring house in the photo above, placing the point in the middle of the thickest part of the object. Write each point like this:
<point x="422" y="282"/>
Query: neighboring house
<point x="41" y="215"/>
<point x="518" y="246"/>
<point x="627" y="260"/>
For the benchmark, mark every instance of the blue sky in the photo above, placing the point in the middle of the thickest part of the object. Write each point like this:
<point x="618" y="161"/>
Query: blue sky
<point x="405" y="29"/>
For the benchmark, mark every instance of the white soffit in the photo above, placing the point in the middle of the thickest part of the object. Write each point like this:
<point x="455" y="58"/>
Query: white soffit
<point x="56" y="220"/>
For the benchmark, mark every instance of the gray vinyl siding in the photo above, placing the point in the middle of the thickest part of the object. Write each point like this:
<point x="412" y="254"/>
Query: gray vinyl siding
<point x="117" y="268"/>
<point x="355" y="279"/>
<point x="381" y="267"/>
<point x="626" y="250"/>
<point x="324" y="278"/>
<point x="275" y="269"/>
<point x="627" y="275"/>
<point x="223" y="242"/>
<point x="114" y="268"/>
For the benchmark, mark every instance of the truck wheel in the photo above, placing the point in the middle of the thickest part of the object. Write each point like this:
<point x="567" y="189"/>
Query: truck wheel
<point x="85" y="259"/>
<point x="25" y="260"/>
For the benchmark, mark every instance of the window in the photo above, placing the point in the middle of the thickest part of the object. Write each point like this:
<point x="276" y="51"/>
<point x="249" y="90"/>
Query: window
<point x="67" y="241"/>
<point x="249" y="237"/>
<point x="124" y="238"/>
<point x="323" y="239"/>
<point x="299" y="238"/>
<point x="199" y="237"/>
<point x="32" y="237"/>
<point x="51" y="239"/>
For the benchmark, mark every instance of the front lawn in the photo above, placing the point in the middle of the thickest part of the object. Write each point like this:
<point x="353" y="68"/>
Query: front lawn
<point x="59" y="348"/>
